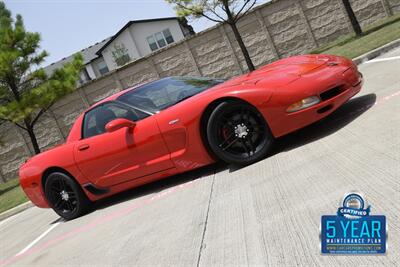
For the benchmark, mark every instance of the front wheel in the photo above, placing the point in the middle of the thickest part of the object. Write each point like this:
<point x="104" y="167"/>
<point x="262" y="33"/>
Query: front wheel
<point x="237" y="133"/>
<point x="65" y="196"/>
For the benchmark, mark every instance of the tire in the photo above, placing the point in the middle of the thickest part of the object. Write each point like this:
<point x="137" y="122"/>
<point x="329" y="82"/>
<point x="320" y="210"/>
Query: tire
<point x="237" y="133"/>
<point x="65" y="196"/>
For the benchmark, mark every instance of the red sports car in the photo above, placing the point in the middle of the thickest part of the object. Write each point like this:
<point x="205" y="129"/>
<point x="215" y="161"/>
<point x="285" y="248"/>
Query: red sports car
<point x="177" y="124"/>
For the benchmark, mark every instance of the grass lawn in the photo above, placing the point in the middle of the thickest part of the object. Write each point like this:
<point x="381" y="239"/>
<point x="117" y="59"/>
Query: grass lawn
<point x="376" y="35"/>
<point x="11" y="195"/>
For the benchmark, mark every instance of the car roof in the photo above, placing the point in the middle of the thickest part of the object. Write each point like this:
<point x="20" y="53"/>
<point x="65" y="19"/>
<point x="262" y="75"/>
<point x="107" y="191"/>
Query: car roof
<point x="111" y="97"/>
<point x="116" y="95"/>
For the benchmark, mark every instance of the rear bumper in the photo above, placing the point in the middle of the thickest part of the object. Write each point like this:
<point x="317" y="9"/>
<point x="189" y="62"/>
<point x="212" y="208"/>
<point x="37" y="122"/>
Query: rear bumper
<point x="293" y="121"/>
<point x="33" y="190"/>
<point x="36" y="196"/>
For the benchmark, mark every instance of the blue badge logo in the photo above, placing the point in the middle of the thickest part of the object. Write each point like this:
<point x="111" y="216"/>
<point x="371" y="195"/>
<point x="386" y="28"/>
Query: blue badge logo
<point x="353" y="230"/>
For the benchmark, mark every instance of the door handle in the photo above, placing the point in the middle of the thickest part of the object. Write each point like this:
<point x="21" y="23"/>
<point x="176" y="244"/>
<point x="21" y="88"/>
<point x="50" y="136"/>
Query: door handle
<point x="83" y="147"/>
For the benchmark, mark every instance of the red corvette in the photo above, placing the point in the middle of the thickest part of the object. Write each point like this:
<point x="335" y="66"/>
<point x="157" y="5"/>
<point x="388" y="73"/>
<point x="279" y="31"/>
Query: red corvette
<point x="177" y="124"/>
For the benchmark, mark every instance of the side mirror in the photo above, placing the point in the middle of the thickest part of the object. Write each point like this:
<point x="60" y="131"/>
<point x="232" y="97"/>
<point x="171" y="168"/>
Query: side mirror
<point x="117" y="124"/>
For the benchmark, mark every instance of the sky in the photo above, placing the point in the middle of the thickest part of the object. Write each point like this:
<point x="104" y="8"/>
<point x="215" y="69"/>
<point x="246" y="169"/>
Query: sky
<point x="68" y="26"/>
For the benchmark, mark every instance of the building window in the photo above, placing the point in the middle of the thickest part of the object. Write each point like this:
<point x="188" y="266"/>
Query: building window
<point x="120" y="54"/>
<point x="102" y="67"/>
<point x="160" y="39"/>
<point x="152" y="43"/>
<point x="168" y="36"/>
<point x="84" y="76"/>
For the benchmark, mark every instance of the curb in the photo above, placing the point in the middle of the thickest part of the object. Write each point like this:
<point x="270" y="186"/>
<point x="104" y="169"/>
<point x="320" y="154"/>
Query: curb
<point x="16" y="210"/>
<point x="376" y="52"/>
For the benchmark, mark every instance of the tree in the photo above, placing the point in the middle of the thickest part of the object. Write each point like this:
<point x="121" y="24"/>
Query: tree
<point x="225" y="11"/>
<point x="26" y="91"/>
<point x="353" y="19"/>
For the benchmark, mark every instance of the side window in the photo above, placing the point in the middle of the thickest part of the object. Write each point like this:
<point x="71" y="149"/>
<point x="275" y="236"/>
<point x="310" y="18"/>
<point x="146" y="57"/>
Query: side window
<point x="152" y="43"/>
<point x="102" y="67"/>
<point x="168" y="36"/>
<point x="160" y="39"/>
<point x="95" y="120"/>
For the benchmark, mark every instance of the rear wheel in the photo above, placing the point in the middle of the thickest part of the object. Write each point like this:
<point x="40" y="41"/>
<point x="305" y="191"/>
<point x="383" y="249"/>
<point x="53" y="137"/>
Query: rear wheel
<point x="237" y="133"/>
<point x="65" y="196"/>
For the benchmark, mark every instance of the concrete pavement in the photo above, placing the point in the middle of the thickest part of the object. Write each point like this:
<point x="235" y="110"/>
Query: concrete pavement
<point x="264" y="214"/>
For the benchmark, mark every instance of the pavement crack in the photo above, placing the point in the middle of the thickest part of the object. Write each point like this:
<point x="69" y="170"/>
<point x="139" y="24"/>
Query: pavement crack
<point x="206" y="221"/>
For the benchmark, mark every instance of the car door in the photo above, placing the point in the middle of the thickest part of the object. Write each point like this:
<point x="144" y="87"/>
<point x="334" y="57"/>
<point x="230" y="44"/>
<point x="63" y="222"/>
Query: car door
<point x="109" y="158"/>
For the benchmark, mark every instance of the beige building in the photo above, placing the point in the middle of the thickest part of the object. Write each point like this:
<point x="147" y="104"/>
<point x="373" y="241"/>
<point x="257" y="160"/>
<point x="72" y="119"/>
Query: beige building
<point x="136" y="39"/>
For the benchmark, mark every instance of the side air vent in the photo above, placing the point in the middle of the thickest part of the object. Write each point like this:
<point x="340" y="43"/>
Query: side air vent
<point x="96" y="190"/>
<point x="331" y="93"/>
<point x="324" y="109"/>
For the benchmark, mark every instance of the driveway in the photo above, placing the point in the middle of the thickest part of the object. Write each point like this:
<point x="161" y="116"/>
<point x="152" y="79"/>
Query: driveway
<point x="264" y="214"/>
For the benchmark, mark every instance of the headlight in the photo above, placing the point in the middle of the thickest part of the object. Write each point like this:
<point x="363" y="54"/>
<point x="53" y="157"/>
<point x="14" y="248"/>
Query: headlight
<point x="302" y="104"/>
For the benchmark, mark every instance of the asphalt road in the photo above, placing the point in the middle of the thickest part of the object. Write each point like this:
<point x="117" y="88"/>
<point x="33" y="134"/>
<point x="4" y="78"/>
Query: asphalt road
<point x="264" y="214"/>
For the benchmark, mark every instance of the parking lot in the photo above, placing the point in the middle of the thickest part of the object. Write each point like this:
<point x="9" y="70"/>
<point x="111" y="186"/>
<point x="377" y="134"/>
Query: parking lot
<point x="267" y="213"/>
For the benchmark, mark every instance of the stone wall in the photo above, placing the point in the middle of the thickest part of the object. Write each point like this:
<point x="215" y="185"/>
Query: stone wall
<point x="271" y="31"/>
<point x="393" y="6"/>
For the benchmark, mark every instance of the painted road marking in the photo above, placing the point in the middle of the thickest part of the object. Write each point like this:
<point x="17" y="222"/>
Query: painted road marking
<point x="98" y="221"/>
<point x="383" y="59"/>
<point x="38" y="239"/>
<point x="10" y="218"/>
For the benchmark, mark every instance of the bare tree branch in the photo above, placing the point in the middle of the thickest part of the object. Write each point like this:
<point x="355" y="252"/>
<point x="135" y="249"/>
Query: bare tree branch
<point x="241" y="9"/>
<point x="20" y="126"/>
<point x="239" y="16"/>
<point x="40" y="113"/>
<point x="208" y="17"/>
<point x="224" y="11"/>
<point x="201" y="14"/>
<point x="2" y="120"/>
<point x="223" y="8"/>
<point x="216" y="14"/>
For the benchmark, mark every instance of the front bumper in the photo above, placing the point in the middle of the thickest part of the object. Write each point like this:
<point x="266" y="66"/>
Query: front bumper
<point x="291" y="122"/>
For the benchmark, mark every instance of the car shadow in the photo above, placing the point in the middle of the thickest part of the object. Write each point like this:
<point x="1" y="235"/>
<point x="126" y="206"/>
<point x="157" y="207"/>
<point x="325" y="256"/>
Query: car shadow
<point x="58" y="220"/>
<point x="158" y="186"/>
<point x="325" y="127"/>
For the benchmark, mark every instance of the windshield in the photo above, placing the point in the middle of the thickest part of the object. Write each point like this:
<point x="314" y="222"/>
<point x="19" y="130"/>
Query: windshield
<point x="158" y="95"/>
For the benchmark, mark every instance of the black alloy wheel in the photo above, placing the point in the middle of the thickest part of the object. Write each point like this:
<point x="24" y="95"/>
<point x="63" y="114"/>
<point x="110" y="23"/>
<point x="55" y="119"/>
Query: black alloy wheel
<point x="237" y="133"/>
<point x="65" y="196"/>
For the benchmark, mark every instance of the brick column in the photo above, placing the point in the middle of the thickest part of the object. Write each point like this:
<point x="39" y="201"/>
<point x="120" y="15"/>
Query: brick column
<point x="117" y="81"/>
<point x="58" y="125"/>
<point x="27" y="143"/>
<point x="153" y="66"/>
<point x="228" y="43"/>
<point x="2" y="179"/>
<point x="304" y="17"/>
<point x="346" y="17"/>
<point x="387" y="8"/>
<point x="192" y="58"/>
<point x="83" y="97"/>
<point x="267" y="34"/>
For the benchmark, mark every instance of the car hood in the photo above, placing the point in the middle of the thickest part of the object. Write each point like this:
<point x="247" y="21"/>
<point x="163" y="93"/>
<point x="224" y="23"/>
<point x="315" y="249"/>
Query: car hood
<point x="281" y="72"/>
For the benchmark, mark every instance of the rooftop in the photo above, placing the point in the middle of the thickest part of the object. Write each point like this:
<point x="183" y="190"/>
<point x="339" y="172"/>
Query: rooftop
<point x="88" y="55"/>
